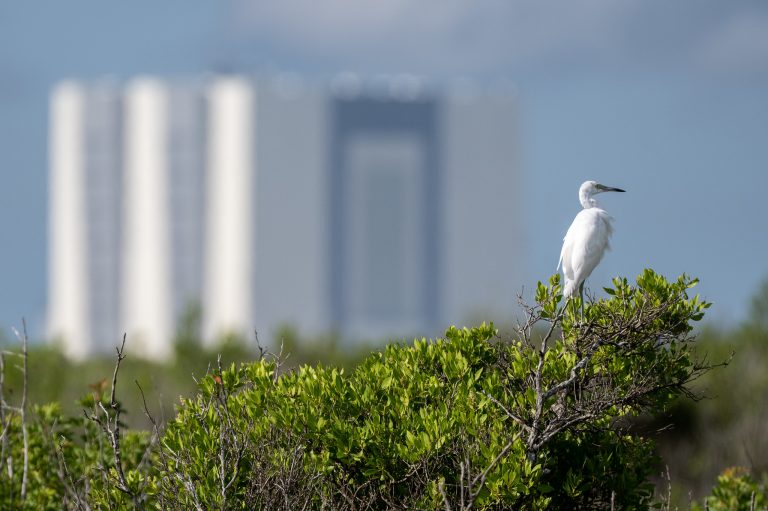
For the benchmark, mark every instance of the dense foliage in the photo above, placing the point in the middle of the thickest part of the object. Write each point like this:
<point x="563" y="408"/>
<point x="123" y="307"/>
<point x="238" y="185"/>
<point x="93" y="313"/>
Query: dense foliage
<point x="471" y="421"/>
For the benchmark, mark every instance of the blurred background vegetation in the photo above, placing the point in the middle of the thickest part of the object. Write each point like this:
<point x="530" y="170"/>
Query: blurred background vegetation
<point x="728" y="427"/>
<point x="53" y="377"/>
<point x="697" y="441"/>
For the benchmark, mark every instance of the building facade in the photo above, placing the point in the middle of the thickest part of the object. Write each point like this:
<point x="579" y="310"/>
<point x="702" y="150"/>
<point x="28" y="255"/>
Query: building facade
<point x="371" y="213"/>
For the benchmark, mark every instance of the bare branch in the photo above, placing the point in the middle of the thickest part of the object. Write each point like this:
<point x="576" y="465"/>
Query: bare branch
<point x="111" y="427"/>
<point x="509" y="414"/>
<point x="479" y="481"/>
<point x="23" y="337"/>
<point x="4" y="424"/>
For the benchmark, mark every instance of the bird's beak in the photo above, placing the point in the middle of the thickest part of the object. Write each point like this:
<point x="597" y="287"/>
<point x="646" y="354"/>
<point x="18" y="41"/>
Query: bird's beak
<point x="609" y="189"/>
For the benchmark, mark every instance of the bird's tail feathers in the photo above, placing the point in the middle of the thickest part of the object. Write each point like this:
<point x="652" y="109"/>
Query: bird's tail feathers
<point x="569" y="289"/>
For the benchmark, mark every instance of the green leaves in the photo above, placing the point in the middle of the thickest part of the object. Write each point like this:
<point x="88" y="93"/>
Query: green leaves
<point x="522" y="423"/>
<point x="736" y="490"/>
<point x="549" y="297"/>
<point x="431" y="407"/>
<point x="404" y="411"/>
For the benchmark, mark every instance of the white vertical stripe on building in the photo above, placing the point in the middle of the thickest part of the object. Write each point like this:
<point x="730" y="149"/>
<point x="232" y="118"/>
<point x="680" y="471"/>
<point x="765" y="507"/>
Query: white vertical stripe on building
<point x="68" y="311"/>
<point x="146" y="284"/>
<point x="229" y="261"/>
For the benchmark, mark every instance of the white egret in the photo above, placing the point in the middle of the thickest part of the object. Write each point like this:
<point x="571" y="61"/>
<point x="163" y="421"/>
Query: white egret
<point x="587" y="239"/>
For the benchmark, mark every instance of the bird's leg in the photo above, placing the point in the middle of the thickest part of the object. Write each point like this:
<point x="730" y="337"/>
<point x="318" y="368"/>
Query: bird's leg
<point x="581" y="295"/>
<point x="571" y="303"/>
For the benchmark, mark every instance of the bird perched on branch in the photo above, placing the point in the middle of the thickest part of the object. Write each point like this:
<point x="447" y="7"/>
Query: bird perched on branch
<point x="587" y="239"/>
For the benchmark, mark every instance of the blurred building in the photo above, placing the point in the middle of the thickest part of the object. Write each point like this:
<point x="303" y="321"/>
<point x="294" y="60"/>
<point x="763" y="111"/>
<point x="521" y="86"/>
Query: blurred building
<point x="372" y="211"/>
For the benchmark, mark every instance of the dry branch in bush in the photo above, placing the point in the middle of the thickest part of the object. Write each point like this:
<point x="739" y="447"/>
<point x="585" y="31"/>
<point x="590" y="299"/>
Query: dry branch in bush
<point x="110" y="425"/>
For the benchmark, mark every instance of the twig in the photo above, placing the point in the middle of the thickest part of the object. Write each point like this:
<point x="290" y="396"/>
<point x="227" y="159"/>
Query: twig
<point x="511" y="415"/>
<point x="65" y="476"/>
<point x="23" y="408"/>
<point x="111" y="427"/>
<point x="537" y="382"/>
<point x="441" y="489"/>
<point x="153" y="440"/>
<point x="479" y="480"/>
<point x="3" y="424"/>
<point x="115" y="435"/>
<point x="226" y="437"/>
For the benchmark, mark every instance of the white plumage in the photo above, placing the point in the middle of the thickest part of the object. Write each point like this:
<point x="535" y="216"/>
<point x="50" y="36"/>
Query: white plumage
<point x="587" y="239"/>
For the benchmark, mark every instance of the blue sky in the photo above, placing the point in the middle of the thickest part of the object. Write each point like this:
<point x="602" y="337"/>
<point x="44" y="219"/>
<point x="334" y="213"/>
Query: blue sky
<point x="668" y="100"/>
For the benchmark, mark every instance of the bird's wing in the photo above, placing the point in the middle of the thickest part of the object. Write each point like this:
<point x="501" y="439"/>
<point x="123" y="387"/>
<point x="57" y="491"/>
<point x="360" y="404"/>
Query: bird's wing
<point x="584" y="245"/>
<point x="565" y="252"/>
<point x="590" y="241"/>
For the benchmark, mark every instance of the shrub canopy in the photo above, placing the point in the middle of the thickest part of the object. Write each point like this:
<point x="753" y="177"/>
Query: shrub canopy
<point x="470" y="421"/>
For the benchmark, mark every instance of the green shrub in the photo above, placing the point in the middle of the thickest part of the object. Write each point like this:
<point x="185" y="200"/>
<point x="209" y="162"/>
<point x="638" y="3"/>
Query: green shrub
<point x="471" y="421"/>
<point x="69" y="461"/>
<point x="466" y="421"/>
<point x="736" y="491"/>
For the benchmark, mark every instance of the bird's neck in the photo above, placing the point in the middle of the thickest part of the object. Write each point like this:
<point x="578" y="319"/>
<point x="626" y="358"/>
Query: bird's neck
<point x="587" y="201"/>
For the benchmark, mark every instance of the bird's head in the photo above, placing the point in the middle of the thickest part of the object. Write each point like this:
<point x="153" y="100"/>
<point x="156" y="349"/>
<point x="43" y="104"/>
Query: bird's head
<point x="589" y="189"/>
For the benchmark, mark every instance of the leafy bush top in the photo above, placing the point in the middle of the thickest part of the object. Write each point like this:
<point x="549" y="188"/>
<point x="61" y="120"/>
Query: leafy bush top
<point x="471" y="421"/>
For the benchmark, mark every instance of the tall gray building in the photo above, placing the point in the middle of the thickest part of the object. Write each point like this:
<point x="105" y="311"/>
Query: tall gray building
<point x="369" y="212"/>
